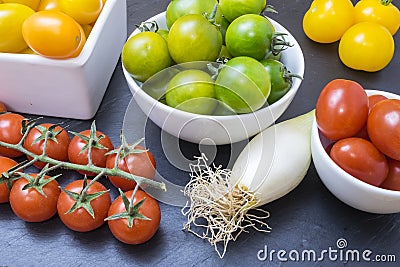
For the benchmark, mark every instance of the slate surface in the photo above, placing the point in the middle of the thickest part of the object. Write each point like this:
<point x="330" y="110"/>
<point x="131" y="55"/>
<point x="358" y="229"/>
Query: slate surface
<point x="308" y="219"/>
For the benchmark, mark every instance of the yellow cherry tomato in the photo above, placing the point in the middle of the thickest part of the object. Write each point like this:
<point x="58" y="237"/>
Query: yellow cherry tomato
<point x="366" y="46"/>
<point x="380" y="11"/>
<point x="87" y="28"/>
<point x="49" y="5"/>
<point x="31" y="3"/>
<point x="12" y="16"/>
<point x="53" y="34"/>
<point x="326" y="20"/>
<point x="84" y="12"/>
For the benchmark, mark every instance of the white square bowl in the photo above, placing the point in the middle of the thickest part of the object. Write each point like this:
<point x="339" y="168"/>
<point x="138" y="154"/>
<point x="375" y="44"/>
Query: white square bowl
<point x="68" y="88"/>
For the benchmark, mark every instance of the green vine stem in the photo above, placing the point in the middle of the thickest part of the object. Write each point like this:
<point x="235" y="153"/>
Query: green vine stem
<point x="72" y="166"/>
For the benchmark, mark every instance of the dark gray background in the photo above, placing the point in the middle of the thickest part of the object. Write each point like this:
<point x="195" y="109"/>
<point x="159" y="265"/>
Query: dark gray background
<point x="309" y="218"/>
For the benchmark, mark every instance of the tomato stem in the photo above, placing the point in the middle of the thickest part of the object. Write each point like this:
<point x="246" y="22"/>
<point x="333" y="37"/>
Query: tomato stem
<point x="386" y="2"/>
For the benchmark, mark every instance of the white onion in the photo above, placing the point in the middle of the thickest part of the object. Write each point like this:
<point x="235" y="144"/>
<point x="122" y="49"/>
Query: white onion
<point x="272" y="164"/>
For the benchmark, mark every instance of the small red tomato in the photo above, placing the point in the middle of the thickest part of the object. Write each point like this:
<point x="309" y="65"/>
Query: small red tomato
<point x="10" y="132"/>
<point x="341" y="109"/>
<point x="2" y="107"/>
<point x="384" y="127"/>
<point x="5" y="165"/>
<point x="80" y="220"/>
<point x="137" y="163"/>
<point x="78" y="149"/>
<point x="374" y="99"/>
<point x="141" y="230"/>
<point x="361" y="159"/>
<point x="29" y="204"/>
<point x="57" y="144"/>
<point x="392" y="181"/>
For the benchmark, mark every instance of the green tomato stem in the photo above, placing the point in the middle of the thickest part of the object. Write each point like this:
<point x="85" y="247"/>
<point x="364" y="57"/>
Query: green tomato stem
<point x="386" y="2"/>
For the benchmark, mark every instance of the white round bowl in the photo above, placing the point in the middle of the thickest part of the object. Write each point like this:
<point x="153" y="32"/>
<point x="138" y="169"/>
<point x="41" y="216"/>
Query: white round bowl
<point x="218" y="130"/>
<point x="346" y="187"/>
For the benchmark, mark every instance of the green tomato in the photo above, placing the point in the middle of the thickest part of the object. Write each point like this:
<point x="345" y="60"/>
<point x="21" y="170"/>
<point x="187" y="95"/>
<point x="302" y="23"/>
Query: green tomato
<point x="145" y="54"/>
<point x="250" y="35"/>
<point x="233" y="9"/>
<point x="179" y="8"/>
<point x="192" y="91"/>
<point x="193" y="38"/>
<point x="281" y="79"/>
<point x="164" y="33"/>
<point x="243" y="84"/>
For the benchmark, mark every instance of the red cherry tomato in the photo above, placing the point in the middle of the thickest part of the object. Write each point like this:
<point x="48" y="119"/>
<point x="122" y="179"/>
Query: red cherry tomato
<point x="79" y="155"/>
<point x="30" y="205"/>
<point x="361" y="159"/>
<point x="142" y="230"/>
<point x="5" y="165"/>
<point x="374" y="99"/>
<point x="392" y="181"/>
<point x="2" y="107"/>
<point x="341" y="109"/>
<point x="384" y="127"/>
<point x="10" y="132"/>
<point x="57" y="145"/>
<point x="80" y="220"/>
<point x="141" y="164"/>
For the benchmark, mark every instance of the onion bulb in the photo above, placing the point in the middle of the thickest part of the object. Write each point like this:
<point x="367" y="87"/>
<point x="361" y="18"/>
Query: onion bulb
<point x="271" y="165"/>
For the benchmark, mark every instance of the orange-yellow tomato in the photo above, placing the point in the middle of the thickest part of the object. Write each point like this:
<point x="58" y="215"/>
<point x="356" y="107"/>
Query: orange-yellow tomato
<point x="380" y="11"/>
<point x="49" y="5"/>
<point x="366" y="46"/>
<point x="84" y="12"/>
<point x="326" y="20"/>
<point x="87" y="28"/>
<point x="31" y="3"/>
<point x="53" y="34"/>
<point x="12" y="16"/>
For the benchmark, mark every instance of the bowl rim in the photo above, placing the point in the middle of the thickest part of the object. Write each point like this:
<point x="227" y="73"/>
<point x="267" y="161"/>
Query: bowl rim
<point x="287" y="97"/>
<point x="342" y="173"/>
<point x="81" y="59"/>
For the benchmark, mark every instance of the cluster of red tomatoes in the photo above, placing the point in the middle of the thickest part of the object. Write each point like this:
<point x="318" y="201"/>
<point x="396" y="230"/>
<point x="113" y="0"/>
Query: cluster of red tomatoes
<point x="204" y="31"/>
<point x="365" y="30"/>
<point x="51" y="28"/>
<point x="364" y="130"/>
<point x="84" y="204"/>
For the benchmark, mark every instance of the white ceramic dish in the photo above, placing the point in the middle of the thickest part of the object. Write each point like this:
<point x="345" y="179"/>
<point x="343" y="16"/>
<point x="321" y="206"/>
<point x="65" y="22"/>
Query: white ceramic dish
<point x="218" y="129"/>
<point x="346" y="187"/>
<point x="71" y="88"/>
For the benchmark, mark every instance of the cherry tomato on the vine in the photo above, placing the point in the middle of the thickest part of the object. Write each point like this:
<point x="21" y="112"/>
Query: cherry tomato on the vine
<point x="341" y="109"/>
<point x="366" y="46"/>
<point x="380" y="11"/>
<point x="327" y="20"/>
<point x="137" y="162"/>
<point x="10" y="132"/>
<point x="5" y="165"/>
<point x="384" y="127"/>
<point x="78" y="149"/>
<point x="57" y="144"/>
<point x="142" y="230"/>
<point x="34" y="203"/>
<point x="360" y="158"/>
<point x="80" y="220"/>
